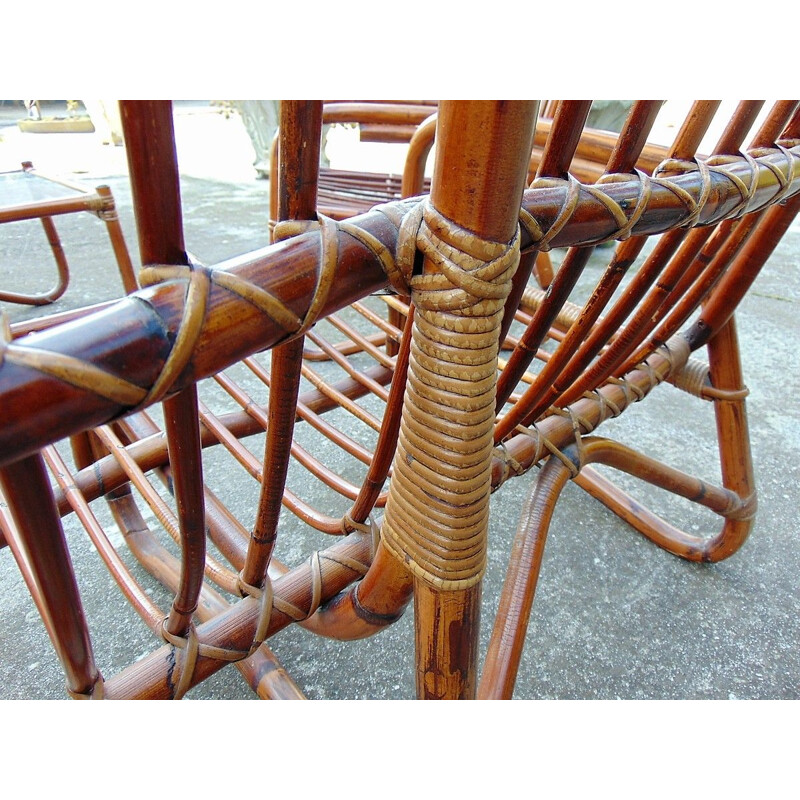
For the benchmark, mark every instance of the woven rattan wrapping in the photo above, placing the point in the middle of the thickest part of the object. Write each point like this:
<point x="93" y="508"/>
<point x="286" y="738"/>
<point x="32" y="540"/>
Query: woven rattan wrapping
<point x="437" y="511"/>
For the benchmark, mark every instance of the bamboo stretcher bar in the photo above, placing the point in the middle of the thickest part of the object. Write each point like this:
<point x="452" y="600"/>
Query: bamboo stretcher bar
<point x="131" y="337"/>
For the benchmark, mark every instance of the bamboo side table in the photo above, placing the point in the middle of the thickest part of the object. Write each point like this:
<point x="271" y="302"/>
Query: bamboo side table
<point x="29" y="194"/>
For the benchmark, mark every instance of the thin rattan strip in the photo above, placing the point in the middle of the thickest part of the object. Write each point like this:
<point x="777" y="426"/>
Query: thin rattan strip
<point x="668" y="358"/>
<point x="192" y="647"/>
<point x="693" y="378"/>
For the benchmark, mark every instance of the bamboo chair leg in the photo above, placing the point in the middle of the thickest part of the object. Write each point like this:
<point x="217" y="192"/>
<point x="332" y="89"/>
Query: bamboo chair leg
<point x="446" y="641"/>
<point x="447" y="622"/>
<point x="490" y="170"/>
<point x="37" y="541"/>
<point x="516" y="600"/>
<point x="735" y="502"/>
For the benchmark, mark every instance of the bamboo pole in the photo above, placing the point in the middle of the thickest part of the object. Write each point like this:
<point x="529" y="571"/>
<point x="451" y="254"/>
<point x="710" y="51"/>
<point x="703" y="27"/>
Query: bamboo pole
<point x="40" y="548"/>
<point x="479" y="177"/>
<point x="153" y="165"/>
<point x="299" y="148"/>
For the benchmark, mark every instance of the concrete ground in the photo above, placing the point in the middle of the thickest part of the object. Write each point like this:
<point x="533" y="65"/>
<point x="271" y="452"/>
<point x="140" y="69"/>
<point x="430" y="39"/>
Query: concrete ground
<point x="615" y="617"/>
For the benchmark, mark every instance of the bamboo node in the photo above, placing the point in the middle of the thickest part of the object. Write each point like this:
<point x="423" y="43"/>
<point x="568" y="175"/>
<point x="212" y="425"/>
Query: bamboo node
<point x="97" y="692"/>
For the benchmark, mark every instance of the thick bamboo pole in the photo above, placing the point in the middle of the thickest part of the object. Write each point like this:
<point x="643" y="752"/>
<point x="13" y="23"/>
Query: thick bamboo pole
<point x="481" y="166"/>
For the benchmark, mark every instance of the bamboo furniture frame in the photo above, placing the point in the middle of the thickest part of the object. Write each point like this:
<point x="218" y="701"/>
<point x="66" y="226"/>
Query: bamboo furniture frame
<point x="429" y="404"/>
<point x="29" y="194"/>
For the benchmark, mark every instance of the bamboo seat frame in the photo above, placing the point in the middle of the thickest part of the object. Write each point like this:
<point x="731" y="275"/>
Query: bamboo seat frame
<point x="434" y="414"/>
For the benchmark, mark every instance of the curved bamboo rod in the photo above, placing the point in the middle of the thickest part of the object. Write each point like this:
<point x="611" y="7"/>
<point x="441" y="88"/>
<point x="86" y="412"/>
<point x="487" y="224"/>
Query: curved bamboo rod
<point x="148" y="129"/>
<point x="62" y="273"/>
<point x="516" y="598"/>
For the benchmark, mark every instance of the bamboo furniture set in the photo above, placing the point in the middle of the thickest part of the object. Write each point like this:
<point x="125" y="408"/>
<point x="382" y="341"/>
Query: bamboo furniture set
<point x="435" y="348"/>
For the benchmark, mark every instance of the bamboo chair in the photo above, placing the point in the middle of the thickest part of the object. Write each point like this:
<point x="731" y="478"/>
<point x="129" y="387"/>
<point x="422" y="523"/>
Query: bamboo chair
<point x="440" y="422"/>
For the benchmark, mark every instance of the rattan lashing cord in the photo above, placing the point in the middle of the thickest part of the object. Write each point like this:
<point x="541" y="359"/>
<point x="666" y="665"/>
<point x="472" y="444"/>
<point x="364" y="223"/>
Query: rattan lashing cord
<point x="437" y="511"/>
